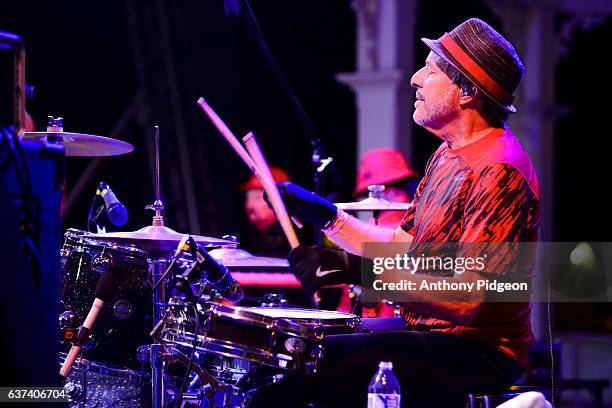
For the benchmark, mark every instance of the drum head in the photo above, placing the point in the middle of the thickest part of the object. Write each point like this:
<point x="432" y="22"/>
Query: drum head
<point x="290" y="319"/>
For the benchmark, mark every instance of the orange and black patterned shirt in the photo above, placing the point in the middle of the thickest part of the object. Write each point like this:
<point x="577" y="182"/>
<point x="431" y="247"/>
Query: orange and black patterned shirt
<point x="486" y="191"/>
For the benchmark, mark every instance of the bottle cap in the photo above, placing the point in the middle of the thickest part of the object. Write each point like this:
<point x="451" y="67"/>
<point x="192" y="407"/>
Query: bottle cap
<point x="385" y="364"/>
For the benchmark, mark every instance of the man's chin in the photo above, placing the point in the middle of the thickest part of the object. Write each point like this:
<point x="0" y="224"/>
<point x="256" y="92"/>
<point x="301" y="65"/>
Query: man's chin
<point x="419" y="119"/>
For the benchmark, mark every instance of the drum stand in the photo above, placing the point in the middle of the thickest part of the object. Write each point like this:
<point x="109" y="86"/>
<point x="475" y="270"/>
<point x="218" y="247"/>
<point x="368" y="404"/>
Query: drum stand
<point x="157" y="267"/>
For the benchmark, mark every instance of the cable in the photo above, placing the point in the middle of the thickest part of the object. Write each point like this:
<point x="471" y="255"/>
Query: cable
<point x="193" y="350"/>
<point x="550" y="343"/>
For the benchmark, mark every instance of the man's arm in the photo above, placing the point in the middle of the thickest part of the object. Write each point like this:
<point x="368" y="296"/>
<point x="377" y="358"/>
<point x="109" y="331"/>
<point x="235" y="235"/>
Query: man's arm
<point x="345" y="230"/>
<point x="350" y="233"/>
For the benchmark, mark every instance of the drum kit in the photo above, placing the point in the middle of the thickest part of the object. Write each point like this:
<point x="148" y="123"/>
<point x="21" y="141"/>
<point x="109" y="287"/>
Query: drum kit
<point x="151" y="345"/>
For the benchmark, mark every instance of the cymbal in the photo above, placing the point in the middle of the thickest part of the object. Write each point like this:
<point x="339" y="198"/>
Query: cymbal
<point x="80" y="144"/>
<point x="158" y="239"/>
<point x="373" y="204"/>
<point x="239" y="259"/>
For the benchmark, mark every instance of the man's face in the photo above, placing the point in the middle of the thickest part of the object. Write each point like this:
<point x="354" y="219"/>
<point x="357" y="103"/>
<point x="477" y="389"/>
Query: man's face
<point x="437" y="97"/>
<point x="257" y="211"/>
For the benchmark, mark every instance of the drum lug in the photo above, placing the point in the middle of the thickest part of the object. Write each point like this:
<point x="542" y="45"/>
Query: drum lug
<point x="65" y="252"/>
<point x="102" y="263"/>
<point x="74" y="391"/>
<point x="316" y="355"/>
<point x="68" y="320"/>
<point x="68" y="324"/>
<point x="319" y="330"/>
<point x="271" y="338"/>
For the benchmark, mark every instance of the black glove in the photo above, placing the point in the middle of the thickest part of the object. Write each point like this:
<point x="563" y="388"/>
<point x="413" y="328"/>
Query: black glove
<point x="317" y="266"/>
<point x="307" y="205"/>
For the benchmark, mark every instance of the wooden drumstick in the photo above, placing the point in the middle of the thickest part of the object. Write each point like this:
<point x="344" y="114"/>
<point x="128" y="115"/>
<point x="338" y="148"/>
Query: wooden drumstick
<point x="229" y="136"/>
<point x="269" y="184"/>
<point x="233" y="142"/>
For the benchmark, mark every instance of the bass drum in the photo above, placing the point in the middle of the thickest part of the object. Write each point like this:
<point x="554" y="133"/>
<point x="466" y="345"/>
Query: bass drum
<point x="125" y="322"/>
<point x="95" y="385"/>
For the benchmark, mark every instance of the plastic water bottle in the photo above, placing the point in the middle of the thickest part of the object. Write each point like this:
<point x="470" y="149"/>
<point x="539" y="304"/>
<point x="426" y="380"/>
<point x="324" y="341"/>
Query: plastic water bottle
<point x="384" y="390"/>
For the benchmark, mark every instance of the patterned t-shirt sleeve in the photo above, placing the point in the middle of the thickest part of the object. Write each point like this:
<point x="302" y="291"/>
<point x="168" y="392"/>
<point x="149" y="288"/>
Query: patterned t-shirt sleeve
<point x="407" y="223"/>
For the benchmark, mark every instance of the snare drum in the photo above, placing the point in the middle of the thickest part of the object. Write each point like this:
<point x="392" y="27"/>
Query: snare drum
<point x="284" y="338"/>
<point x="125" y="321"/>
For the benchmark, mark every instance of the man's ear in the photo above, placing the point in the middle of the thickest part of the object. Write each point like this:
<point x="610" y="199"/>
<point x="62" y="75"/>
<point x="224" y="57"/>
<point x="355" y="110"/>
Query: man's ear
<point x="468" y="95"/>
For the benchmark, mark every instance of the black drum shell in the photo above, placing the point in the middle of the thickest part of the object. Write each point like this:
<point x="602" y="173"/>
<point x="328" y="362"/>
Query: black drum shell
<point x="125" y="321"/>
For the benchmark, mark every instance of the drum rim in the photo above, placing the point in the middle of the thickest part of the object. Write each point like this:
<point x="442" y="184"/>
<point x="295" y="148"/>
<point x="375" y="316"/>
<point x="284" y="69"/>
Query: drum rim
<point x="293" y="325"/>
<point x="103" y="368"/>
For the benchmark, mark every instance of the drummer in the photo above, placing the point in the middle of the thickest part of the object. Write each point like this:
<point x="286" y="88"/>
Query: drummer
<point x="479" y="186"/>
<point x="264" y="236"/>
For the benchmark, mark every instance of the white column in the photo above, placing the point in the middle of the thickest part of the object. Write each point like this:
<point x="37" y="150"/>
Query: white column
<point x="385" y="49"/>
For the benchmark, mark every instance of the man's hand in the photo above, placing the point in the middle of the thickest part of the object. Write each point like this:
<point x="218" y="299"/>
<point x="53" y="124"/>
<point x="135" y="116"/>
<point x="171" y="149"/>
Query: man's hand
<point x="317" y="266"/>
<point x="307" y="205"/>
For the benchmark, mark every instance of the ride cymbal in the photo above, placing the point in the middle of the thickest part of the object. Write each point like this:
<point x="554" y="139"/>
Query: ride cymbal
<point x="84" y="145"/>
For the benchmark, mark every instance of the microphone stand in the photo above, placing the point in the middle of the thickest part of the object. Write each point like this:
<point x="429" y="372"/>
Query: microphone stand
<point x="97" y="218"/>
<point x="320" y="159"/>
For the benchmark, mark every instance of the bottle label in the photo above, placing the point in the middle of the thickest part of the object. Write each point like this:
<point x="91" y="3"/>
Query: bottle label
<point x="383" y="400"/>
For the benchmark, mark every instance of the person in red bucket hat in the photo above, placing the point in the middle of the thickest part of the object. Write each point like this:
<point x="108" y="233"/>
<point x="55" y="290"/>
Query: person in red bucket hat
<point x="388" y="167"/>
<point x="384" y="166"/>
<point x="479" y="186"/>
<point x="265" y="236"/>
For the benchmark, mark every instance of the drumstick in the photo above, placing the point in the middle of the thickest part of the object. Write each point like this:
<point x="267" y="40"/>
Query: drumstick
<point x="267" y="180"/>
<point x="269" y="185"/>
<point x="229" y="136"/>
<point x="233" y="141"/>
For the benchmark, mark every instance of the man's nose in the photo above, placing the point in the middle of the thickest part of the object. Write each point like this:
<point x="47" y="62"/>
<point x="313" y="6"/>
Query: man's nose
<point x="416" y="81"/>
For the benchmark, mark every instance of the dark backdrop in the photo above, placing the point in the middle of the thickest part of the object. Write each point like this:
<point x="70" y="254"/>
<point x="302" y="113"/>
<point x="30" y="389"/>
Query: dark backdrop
<point x="127" y="64"/>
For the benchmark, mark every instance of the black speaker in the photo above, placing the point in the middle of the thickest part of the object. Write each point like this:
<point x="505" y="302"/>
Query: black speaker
<point x="31" y="178"/>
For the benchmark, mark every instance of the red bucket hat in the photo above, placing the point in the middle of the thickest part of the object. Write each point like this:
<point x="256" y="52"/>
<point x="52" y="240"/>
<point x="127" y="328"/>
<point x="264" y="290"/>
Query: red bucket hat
<point x="253" y="183"/>
<point x="382" y="166"/>
<point x="486" y="58"/>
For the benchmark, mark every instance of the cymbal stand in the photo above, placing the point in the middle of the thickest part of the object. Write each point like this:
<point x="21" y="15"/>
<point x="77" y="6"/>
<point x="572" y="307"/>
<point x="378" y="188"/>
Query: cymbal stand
<point x="157" y="265"/>
<point x="376" y="191"/>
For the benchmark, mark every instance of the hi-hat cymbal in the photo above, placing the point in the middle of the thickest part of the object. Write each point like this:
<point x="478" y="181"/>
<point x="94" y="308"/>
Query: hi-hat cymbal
<point x="158" y="239"/>
<point x="373" y="204"/>
<point x="239" y="259"/>
<point x="80" y="144"/>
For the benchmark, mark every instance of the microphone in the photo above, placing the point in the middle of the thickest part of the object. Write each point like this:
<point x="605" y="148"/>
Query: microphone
<point x="105" y="290"/>
<point x="217" y="274"/>
<point x="115" y="211"/>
